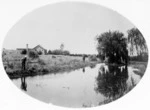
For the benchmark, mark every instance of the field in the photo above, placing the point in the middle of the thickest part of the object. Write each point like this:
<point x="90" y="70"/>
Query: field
<point x="44" y="64"/>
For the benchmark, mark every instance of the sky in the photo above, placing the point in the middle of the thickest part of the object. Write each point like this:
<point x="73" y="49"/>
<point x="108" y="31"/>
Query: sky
<point x="74" y="24"/>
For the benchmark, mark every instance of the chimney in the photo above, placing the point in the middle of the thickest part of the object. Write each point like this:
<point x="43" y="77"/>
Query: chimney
<point x="27" y="50"/>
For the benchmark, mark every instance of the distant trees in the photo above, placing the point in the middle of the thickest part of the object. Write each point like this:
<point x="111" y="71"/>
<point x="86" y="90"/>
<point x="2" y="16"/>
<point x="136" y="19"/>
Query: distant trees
<point x="65" y="52"/>
<point x="59" y="52"/>
<point x="113" y="45"/>
<point x="49" y="52"/>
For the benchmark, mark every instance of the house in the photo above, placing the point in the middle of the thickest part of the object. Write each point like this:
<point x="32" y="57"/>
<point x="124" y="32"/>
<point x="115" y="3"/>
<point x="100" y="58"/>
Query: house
<point x="39" y="49"/>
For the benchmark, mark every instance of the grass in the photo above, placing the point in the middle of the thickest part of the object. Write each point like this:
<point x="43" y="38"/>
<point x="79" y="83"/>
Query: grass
<point x="141" y="66"/>
<point x="44" y="64"/>
<point x="53" y="64"/>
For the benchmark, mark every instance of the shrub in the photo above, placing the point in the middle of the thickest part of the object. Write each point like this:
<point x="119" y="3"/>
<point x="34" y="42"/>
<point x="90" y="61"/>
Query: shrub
<point x="40" y="53"/>
<point x="45" y="70"/>
<point x="59" y="52"/>
<point x="53" y="56"/>
<point x="3" y="54"/>
<point x="41" y="62"/>
<point x="32" y="70"/>
<point x="10" y="65"/>
<point x="65" y="52"/>
<point x="33" y="54"/>
<point x="143" y="57"/>
<point x="92" y="58"/>
<point x="24" y="52"/>
<point x="56" y="52"/>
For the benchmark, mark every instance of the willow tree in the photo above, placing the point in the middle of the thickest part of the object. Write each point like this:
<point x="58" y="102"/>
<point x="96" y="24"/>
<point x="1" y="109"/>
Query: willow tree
<point x="137" y="44"/>
<point x="113" y="45"/>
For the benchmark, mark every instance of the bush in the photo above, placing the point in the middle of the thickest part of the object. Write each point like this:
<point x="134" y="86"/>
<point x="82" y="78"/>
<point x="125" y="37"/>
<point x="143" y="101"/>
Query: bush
<point x="143" y="57"/>
<point x="66" y="52"/>
<point x="3" y="54"/>
<point x="40" y="53"/>
<point x="10" y="65"/>
<point x="53" y="56"/>
<point x="45" y="70"/>
<point x="24" y="52"/>
<point x="92" y="58"/>
<point x="56" y="52"/>
<point x="59" y="52"/>
<point x="33" y="54"/>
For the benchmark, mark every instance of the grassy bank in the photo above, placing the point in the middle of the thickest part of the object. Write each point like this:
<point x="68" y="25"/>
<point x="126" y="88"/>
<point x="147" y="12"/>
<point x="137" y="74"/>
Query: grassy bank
<point x="141" y="66"/>
<point x="45" y="64"/>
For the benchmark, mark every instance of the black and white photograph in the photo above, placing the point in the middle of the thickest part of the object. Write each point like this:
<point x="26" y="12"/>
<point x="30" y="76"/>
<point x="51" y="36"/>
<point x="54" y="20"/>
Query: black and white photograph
<point x="75" y="55"/>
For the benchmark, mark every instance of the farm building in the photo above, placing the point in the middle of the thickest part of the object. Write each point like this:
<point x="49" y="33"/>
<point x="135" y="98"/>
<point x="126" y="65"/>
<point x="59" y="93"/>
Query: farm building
<point x="38" y="48"/>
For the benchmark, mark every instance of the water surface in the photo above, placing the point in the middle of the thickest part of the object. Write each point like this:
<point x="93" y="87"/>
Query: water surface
<point x="90" y="86"/>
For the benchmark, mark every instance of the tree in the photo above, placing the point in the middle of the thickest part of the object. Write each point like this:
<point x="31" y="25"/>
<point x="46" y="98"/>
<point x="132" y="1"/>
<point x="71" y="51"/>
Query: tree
<point x="49" y="52"/>
<point x="62" y="47"/>
<point x="136" y="41"/>
<point x="113" y="45"/>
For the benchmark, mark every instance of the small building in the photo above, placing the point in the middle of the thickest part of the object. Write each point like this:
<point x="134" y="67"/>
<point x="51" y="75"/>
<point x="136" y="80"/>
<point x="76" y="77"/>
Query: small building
<point x="39" y="49"/>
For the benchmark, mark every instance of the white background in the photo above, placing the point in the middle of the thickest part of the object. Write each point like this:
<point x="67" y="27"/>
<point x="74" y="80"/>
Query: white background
<point x="11" y="98"/>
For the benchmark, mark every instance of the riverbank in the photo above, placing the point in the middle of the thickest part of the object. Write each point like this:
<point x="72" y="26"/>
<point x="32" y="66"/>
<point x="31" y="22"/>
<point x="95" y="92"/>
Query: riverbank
<point x="141" y="66"/>
<point x="47" y="64"/>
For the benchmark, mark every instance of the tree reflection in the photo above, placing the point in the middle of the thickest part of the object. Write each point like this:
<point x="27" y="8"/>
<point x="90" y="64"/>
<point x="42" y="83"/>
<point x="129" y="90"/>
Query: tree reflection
<point x="111" y="81"/>
<point x="23" y="84"/>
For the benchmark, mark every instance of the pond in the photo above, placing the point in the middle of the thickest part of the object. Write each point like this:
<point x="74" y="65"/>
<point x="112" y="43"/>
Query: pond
<point x="86" y="87"/>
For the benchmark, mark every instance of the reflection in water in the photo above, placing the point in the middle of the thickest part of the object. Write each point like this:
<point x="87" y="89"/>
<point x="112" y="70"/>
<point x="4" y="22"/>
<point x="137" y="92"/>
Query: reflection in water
<point x="112" y="82"/>
<point x="99" y="85"/>
<point x="23" y="84"/>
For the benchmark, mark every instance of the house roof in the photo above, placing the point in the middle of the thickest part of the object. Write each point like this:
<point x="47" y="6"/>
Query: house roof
<point x="23" y="48"/>
<point x="31" y="48"/>
<point x="39" y="46"/>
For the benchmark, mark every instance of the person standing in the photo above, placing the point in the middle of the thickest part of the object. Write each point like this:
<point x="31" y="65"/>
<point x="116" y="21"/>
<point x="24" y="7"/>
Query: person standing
<point x="83" y="58"/>
<point x="24" y="63"/>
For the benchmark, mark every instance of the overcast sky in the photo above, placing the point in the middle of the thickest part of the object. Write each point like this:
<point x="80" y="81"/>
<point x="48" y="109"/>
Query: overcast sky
<point x="71" y="23"/>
